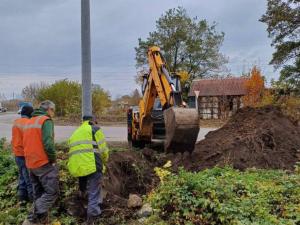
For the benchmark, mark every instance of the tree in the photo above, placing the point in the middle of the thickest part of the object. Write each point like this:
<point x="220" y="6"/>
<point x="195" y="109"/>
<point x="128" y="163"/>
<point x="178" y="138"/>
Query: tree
<point x="65" y="94"/>
<point x="283" y="20"/>
<point x="184" y="77"/>
<point x="2" y="97"/>
<point x="131" y="99"/>
<point x="254" y="88"/>
<point x="188" y="44"/>
<point x="100" y="100"/>
<point x="290" y="75"/>
<point x="30" y="92"/>
<point x="135" y="97"/>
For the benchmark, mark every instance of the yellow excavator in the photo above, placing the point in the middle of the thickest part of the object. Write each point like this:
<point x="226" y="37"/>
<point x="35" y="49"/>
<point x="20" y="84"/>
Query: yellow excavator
<point x="162" y="113"/>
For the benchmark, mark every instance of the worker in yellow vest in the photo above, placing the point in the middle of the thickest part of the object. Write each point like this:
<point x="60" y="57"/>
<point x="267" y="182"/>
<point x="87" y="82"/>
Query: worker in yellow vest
<point x="88" y="155"/>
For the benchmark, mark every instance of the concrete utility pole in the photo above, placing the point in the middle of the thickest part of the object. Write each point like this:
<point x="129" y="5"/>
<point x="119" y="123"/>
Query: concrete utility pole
<point x="86" y="58"/>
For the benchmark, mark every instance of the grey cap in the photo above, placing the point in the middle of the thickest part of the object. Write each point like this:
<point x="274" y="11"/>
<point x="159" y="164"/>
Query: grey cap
<point x="47" y="104"/>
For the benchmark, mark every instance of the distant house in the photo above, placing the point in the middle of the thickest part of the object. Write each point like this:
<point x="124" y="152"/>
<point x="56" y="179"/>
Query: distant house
<point x="123" y="104"/>
<point x="218" y="98"/>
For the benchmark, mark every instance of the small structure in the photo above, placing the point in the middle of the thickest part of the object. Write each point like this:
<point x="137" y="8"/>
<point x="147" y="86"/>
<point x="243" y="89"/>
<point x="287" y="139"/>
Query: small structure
<point x="217" y="98"/>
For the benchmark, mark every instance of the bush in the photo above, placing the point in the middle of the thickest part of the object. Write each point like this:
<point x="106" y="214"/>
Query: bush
<point x="2" y="143"/>
<point x="290" y="106"/>
<point x="254" y="88"/>
<point x="100" y="100"/>
<point x="10" y="211"/>
<point x="65" y="94"/>
<point x="228" y="196"/>
<point x="67" y="97"/>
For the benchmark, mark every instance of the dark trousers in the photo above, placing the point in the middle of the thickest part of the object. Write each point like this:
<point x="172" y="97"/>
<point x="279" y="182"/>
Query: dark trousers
<point x="45" y="187"/>
<point x="91" y="184"/>
<point x="24" y="183"/>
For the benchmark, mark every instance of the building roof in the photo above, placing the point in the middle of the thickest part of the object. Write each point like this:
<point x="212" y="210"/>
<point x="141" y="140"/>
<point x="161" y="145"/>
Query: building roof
<point x="219" y="87"/>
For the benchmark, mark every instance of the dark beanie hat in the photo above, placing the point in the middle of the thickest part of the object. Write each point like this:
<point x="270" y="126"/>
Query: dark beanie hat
<point x="90" y="118"/>
<point x="26" y="110"/>
<point x="87" y="117"/>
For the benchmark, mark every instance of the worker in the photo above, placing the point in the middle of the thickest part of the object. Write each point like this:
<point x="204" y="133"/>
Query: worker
<point x="24" y="183"/>
<point x="40" y="158"/>
<point x="88" y="156"/>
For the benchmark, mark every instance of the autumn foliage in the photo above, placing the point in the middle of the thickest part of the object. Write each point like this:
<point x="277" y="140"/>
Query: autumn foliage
<point x="255" y="88"/>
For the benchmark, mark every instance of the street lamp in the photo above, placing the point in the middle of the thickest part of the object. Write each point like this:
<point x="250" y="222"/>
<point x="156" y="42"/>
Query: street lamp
<point x="86" y="58"/>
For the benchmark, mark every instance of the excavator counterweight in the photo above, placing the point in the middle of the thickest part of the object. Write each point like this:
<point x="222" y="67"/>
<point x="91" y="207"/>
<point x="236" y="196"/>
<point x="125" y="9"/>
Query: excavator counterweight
<point x="180" y="125"/>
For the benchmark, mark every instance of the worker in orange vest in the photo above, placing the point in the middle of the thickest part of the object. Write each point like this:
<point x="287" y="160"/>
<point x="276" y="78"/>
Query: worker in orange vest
<point x="24" y="183"/>
<point x="40" y="159"/>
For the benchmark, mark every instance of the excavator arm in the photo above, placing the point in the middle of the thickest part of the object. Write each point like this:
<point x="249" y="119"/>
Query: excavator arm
<point x="158" y="83"/>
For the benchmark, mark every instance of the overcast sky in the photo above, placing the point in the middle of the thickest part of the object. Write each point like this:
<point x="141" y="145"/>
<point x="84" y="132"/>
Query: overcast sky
<point x="40" y="39"/>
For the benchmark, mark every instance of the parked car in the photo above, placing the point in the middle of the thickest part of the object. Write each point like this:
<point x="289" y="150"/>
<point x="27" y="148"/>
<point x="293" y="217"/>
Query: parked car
<point x="2" y="108"/>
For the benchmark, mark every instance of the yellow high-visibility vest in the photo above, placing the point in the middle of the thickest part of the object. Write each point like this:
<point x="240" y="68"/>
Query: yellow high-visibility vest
<point x="82" y="148"/>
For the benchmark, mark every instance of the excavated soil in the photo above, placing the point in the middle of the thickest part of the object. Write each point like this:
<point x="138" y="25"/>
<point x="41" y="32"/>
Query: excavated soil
<point x="254" y="137"/>
<point x="128" y="172"/>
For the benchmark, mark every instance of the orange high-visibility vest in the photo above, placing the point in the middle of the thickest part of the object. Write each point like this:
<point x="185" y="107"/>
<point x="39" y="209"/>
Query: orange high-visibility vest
<point x="17" y="136"/>
<point x="35" y="155"/>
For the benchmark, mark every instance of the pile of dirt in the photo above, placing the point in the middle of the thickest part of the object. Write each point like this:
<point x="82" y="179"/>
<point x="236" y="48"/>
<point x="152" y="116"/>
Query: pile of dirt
<point x="253" y="137"/>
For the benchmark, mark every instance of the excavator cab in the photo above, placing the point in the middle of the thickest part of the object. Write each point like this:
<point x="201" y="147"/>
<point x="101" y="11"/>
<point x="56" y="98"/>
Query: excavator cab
<point x="162" y="112"/>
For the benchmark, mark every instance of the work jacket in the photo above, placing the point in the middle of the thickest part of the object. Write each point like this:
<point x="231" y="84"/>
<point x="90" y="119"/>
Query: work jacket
<point x="34" y="152"/>
<point x="17" y="136"/>
<point x="85" y="144"/>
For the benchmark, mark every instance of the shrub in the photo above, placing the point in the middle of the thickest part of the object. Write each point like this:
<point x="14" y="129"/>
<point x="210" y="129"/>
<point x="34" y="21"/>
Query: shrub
<point x="254" y="87"/>
<point x="65" y="94"/>
<point x="67" y="97"/>
<point x="10" y="211"/>
<point x="227" y="196"/>
<point x="290" y="106"/>
<point x="100" y="100"/>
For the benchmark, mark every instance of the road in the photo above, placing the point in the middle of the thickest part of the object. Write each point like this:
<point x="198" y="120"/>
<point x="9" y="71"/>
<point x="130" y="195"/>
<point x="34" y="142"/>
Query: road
<point x="62" y="133"/>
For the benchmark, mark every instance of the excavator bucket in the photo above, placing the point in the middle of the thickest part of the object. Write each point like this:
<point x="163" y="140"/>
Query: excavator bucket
<point x="182" y="128"/>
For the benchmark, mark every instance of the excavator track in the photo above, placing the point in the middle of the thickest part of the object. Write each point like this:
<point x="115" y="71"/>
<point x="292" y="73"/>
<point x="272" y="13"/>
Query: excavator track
<point x="182" y="128"/>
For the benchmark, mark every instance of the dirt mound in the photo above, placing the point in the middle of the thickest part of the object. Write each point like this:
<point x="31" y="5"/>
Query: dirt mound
<point x="254" y="137"/>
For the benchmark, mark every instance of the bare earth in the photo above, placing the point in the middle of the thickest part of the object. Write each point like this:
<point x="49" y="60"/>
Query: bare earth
<point x="62" y="133"/>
